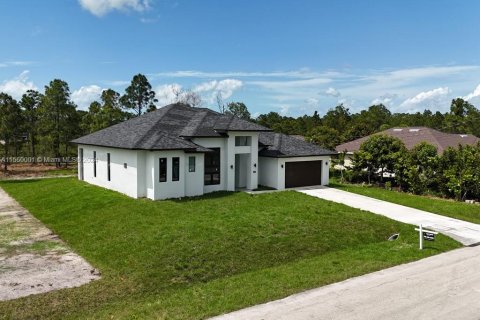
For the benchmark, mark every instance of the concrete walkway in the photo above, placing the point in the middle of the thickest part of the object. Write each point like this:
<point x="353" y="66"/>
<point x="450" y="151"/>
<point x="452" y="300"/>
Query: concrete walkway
<point x="465" y="232"/>
<point x="446" y="286"/>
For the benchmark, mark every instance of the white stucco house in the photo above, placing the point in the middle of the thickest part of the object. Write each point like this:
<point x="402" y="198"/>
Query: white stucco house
<point x="178" y="151"/>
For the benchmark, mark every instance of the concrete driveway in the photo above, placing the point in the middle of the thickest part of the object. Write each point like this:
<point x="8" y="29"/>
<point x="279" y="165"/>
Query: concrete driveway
<point x="465" y="232"/>
<point x="446" y="286"/>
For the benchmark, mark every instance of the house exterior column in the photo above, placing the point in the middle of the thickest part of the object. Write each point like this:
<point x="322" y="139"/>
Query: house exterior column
<point x="230" y="157"/>
<point x="253" y="165"/>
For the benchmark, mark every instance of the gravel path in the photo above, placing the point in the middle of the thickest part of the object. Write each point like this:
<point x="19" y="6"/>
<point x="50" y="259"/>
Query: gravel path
<point x="32" y="259"/>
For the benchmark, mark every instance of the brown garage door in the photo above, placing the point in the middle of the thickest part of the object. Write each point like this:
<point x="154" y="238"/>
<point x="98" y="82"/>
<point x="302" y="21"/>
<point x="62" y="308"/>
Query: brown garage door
<point x="303" y="173"/>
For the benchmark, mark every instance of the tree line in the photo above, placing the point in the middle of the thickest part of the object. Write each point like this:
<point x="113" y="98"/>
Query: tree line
<point x="339" y="125"/>
<point x="44" y="122"/>
<point x="385" y="159"/>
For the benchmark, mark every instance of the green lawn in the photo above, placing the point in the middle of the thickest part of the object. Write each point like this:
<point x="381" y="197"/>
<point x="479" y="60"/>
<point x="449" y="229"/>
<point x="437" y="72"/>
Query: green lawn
<point x="194" y="258"/>
<point x="449" y="208"/>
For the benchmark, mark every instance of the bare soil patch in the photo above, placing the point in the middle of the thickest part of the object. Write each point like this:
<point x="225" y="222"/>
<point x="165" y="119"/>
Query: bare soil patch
<point x="33" y="259"/>
<point x="28" y="170"/>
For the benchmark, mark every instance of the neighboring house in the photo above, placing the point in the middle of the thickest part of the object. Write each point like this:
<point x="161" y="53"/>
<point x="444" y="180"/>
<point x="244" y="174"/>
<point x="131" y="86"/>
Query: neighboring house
<point x="412" y="136"/>
<point x="179" y="151"/>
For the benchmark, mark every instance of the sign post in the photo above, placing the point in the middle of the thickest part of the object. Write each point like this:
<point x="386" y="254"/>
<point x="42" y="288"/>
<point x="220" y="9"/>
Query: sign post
<point x="425" y="235"/>
<point x="421" y="236"/>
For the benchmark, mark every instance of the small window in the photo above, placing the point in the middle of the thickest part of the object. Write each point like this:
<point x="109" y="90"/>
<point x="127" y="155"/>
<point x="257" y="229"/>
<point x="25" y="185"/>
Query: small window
<point x="241" y="141"/>
<point x="108" y="166"/>
<point x="191" y="164"/>
<point x="94" y="164"/>
<point x="175" y="169"/>
<point x="162" y="169"/>
<point x="125" y="165"/>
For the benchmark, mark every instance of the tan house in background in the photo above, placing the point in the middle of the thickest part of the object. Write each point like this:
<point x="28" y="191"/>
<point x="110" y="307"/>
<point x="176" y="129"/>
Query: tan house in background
<point x="411" y="136"/>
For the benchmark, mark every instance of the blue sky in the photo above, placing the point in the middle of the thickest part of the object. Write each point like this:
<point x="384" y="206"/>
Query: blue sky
<point x="292" y="57"/>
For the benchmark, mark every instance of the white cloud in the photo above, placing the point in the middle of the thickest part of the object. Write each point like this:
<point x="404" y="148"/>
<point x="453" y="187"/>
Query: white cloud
<point x="437" y="98"/>
<point x="148" y="20"/>
<point x="17" y="86"/>
<point x="312" y="101"/>
<point x="15" y="64"/>
<point x="117" y="83"/>
<point x="102" y="7"/>
<point x="84" y="96"/>
<point x="285" y="109"/>
<point x="224" y="87"/>
<point x="300" y="74"/>
<point x="356" y="88"/>
<point x="474" y="94"/>
<point x="291" y="84"/>
<point x="348" y="103"/>
<point x="332" y="92"/>
<point x="386" y="99"/>
<point x="408" y="81"/>
<point x="167" y="93"/>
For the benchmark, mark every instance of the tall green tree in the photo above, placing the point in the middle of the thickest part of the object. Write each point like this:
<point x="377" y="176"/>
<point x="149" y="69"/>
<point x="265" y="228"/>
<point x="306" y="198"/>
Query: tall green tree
<point x="58" y="116"/>
<point x="238" y="109"/>
<point x="456" y="120"/>
<point x="112" y="108"/>
<point x="139" y="95"/>
<point x="338" y="118"/>
<point x="30" y="104"/>
<point x="104" y="114"/>
<point x="10" y="121"/>
<point x="379" y="154"/>
<point x="92" y="121"/>
<point x="422" y="168"/>
<point x="324" y="136"/>
<point x="459" y="172"/>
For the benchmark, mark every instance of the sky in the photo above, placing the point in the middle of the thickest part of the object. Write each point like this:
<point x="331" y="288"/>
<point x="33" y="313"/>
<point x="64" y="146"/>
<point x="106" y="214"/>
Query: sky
<point x="293" y="57"/>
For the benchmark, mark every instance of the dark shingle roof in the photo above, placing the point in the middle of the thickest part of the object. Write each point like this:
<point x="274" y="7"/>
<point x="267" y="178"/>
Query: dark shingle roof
<point x="280" y="145"/>
<point x="168" y="128"/>
<point x="412" y="136"/>
<point x="172" y="127"/>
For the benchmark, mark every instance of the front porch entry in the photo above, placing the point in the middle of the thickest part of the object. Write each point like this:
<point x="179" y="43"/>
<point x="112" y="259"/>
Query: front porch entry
<point x="242" y="172"/>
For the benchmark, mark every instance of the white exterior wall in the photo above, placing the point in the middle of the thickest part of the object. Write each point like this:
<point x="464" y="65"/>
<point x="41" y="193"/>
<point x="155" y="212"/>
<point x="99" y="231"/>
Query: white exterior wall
<point x="141" y="176"/>
<point x="194" y="180"/>
<point x="269" y="165"/>
<point x="169" y="188"/>
<point x="268" y="169"/>
<point x="224" y="168"/>
<point x="150" y="175"/>
<point x="123" y="180"/>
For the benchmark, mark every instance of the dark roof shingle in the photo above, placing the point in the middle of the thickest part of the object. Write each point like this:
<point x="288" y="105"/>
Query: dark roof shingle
<point x="168" y="128"/>
<point x="279" y="145"/>
<point x="172" y="127"/>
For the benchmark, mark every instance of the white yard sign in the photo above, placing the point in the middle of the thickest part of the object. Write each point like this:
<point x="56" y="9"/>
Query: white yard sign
<point x="425" y="234"/>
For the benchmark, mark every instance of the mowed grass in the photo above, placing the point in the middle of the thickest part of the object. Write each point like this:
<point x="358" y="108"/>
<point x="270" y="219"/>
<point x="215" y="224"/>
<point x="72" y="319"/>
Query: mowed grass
<point x="200" y="257"/>
<point x="445" y="207"/>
